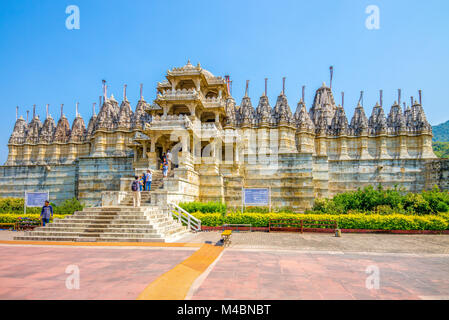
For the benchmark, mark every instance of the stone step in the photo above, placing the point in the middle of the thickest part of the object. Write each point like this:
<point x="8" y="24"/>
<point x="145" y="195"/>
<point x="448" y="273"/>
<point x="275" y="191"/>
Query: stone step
<point x="130" y="230"/>
<point x="148" y="223"/>
<point x="45" y="238"/>
<point x="108" y="235"/>
<point x="65" y="234"/>
<point x="50" y="228"/>
<point x="131" y="240"/>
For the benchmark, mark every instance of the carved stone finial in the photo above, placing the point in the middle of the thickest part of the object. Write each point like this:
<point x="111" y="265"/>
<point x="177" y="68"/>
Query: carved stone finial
<point x="265" y="93"/>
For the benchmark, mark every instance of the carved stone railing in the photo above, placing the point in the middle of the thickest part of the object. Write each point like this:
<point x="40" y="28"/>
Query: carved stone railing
<point x="213" y="102"/>
<point x="179" y="94"/>
<point x="170" y="122"/>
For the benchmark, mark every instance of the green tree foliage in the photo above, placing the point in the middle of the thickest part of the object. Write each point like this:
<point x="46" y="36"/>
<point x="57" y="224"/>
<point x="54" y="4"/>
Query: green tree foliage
<point x="441" y="149"/>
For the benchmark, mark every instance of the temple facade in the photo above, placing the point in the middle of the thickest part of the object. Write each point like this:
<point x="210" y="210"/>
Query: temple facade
<point x="220" y="147"/>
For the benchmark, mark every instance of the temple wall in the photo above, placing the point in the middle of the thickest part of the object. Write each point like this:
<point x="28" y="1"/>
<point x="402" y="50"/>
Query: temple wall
<point x="352" y="174"/>
<point x="59" y="180"/>
<point x="101" y="174"/>
<point x="289" y="176"/>
<point x="85" y="179"/>
<point x="437" y="173"/>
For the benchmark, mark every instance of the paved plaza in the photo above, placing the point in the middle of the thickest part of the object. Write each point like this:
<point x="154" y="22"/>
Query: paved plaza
<point x="255" y="266"/>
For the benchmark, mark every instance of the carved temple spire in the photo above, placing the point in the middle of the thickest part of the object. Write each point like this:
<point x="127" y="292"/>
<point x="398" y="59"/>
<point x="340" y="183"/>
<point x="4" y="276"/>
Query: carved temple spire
<point x="420" y="123"/>
<point x="48" y="129"/>
<point x="34" y="128"/>
<point x="339" y="125"/>
<point x="246" y="112"/>
<point x="396" y="120"/>
<point x="359" y="122"/>
<point x="78" y="132"/>
<point x="19" y="132"/>
<point x="377" y="123"/>
<point x="263" y="111"/>
<point x="302" y="118"/>
<point x="140" y="116"/>
<point x="91" y="125"/>
<point x="125" y="116"/>
<point x="324" y="99"/>
<point x="281" y="113"/>
<point x="62" y="133"/>
<point x="107" y="117"/>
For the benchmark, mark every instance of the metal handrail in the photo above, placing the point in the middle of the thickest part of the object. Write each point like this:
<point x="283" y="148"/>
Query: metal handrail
<point x="185" y="217"/>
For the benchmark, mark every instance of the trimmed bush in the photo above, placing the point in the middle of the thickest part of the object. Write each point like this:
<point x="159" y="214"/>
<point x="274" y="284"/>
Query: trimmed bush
<point x="370" y="200"/>
<point x="15" y="205"/>
<point x="12" y="218"/>
<point x="209" y="207"/>
<point x="347" y="221"/>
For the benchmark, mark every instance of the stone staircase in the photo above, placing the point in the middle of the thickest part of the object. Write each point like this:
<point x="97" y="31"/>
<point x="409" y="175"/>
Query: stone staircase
<point x="110" y="224"/>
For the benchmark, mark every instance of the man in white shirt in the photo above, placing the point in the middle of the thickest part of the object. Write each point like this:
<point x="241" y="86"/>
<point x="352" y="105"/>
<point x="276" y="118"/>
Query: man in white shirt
<point x="149" y="179"/>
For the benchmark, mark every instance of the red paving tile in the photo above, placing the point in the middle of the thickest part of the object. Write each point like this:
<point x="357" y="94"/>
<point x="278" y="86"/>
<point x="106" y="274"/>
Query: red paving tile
<point x="39" y="272"/>
<point x="291" y="275"/>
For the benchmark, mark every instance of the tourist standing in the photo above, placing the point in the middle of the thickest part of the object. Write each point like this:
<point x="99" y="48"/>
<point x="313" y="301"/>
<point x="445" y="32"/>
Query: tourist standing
<point x="46" y="213"/>
<point x="144" y="181"/>
<point x="165" y="169"/>
<point x="163" y="159"/>
<point x="169" y="159"/>
<point x="149" y="179"/>
<point x="135" y="188"/>
<point x="141" y="182"/>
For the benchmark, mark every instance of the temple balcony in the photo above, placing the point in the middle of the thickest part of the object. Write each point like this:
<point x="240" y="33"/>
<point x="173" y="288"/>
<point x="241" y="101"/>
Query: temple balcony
<point x="213" y="102"/>
<point x="169" y="122"/>
<point x="207" y="129"/>
<point x="177" y="95"/>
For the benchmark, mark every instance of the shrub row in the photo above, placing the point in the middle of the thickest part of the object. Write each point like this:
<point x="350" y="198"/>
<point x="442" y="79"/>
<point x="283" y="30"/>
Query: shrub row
<point x="12" y="218"/>
<point x="348" y="221"/>
<point x="15" y="205"/>
<point x="383" y="201"/>
<point x="208" y="207"/>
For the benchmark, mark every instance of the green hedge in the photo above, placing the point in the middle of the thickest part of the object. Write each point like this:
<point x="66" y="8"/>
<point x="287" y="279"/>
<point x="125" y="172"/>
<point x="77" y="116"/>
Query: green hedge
<point x="12" y="218"/>
<point x="208" y="207"/>
<point x="15" y="205"/>
<point x="385" y="201"/>
<point x="348" y="221"/>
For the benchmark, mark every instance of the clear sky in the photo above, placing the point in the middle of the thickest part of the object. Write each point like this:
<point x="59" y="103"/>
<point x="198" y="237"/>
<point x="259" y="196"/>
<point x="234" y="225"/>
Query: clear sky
<point x="134" y="42"/>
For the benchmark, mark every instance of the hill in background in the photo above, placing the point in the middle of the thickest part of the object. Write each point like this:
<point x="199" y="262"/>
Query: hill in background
<point x="441" y="132"/>
<point x="441" y="140"/>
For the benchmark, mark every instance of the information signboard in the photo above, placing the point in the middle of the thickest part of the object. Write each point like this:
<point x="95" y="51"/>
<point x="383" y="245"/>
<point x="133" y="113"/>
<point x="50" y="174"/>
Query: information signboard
<point x="256" y="197"/>
<point x="35" y="199"/>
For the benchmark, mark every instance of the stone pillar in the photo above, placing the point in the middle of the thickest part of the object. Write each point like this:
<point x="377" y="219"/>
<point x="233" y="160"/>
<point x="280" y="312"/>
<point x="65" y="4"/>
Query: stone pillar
<point x="427" y="150"/>
<point x="41" y="154"/>
<point x="144" y="153"/>
<point x="343" y="149"/>
<point x="382" y="143"/>
<point x="364" y="154"/>
<point x="72" y="154"/>
<point x="403" y="147"/>
<point x="55" y="153"/>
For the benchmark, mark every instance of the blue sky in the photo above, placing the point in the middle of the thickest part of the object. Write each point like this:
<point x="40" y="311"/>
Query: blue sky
<point x="134" y="42"/>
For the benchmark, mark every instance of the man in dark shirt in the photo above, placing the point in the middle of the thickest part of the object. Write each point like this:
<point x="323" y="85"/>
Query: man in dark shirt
<point x="46" y="213"/>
